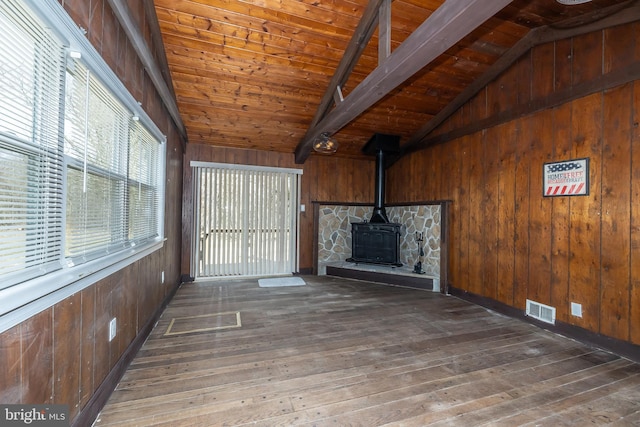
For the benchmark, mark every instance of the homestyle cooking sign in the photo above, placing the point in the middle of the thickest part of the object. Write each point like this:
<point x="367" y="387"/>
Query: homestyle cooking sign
<point x="566" y="178"/>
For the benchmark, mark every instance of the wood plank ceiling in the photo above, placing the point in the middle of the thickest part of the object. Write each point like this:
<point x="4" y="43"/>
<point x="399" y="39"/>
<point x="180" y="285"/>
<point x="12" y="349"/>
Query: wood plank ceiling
<point x="251" y="74"/>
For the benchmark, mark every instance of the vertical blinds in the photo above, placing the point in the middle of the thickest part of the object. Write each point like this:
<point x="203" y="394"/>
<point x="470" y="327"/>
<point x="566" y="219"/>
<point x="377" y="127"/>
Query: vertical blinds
<point x="31" y="171"/>
<point x="247" y="221"/>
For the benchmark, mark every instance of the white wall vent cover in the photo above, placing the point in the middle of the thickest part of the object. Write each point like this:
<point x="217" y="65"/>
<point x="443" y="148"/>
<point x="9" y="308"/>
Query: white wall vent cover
<point x="541" y="312"/>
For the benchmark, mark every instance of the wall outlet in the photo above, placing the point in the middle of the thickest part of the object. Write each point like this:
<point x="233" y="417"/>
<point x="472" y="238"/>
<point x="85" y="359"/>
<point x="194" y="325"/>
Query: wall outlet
<point x="162" y="277"/>
<point x="576" y="309"/>
<point x="112" y="329"/>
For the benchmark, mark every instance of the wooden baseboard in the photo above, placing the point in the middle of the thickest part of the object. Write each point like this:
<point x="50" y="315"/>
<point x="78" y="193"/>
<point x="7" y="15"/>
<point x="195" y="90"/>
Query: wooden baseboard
<point x="90" y="412"/>
<point x="414" y="282"/>
<point x="621" y="348"/>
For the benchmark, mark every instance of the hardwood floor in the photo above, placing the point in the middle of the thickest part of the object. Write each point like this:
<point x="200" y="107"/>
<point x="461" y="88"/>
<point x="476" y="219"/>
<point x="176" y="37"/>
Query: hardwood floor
<point x="340" y="352"/>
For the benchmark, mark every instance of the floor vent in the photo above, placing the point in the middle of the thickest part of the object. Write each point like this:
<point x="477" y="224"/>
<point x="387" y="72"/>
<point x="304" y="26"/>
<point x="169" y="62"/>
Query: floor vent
<point x="541" y="312"/>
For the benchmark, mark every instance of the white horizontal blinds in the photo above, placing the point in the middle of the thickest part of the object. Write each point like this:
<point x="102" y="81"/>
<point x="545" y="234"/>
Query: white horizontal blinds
<point x="144" y="175"/>
<point x="247" y="221"/>
<point x="96" y="148"/>
<point x="31" y="70"/>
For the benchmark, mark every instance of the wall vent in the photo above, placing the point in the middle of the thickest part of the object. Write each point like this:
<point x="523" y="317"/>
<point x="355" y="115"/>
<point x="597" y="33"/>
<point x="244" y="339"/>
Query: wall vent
<point x="541" y="312"/>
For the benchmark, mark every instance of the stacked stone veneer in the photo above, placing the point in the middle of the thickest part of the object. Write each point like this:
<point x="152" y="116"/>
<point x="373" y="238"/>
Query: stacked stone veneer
<point x="334" y="234"/>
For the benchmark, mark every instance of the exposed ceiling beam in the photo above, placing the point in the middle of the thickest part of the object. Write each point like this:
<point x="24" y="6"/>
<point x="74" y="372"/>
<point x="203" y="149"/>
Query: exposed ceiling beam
<point x="446" y="26"/>
<point x="121" y="10"/>
<point x="594" y="21"/>
<point x="384" y="34"/>
<point x="365" y="29"/>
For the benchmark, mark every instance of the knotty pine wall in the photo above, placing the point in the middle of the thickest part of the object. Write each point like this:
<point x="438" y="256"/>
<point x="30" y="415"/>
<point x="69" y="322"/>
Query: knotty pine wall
<point x="324" y="178"/>
<point x="62" y="355"/>
<point x="509" y="243"/>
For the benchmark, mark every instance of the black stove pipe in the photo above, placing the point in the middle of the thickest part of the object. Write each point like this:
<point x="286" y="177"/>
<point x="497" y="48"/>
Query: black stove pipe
<point x="379" y="214"/>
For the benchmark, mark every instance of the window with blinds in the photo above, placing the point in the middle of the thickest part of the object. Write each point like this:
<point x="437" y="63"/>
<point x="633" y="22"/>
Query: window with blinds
<point x="112" y="171"/>
<point x="81" y="175"/>
<point x="31" y="171"/>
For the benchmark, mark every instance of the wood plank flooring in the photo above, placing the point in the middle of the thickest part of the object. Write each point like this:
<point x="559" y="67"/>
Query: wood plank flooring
<point x="339" y="352"/>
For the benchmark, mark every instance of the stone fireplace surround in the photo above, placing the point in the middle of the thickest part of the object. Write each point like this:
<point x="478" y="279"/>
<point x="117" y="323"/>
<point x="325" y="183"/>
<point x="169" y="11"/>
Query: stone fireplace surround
<point x="334" y="234"/>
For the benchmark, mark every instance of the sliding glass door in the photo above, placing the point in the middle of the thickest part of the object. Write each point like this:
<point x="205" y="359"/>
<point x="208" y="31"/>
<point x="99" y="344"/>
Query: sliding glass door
<point x="246" y="220"/>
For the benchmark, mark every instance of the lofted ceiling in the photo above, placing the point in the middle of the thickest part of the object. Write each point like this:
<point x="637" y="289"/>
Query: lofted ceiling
<point x="252" y="74"/>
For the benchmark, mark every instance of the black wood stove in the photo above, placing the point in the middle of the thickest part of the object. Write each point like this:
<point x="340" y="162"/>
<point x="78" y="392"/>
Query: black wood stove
<point x="378" y="240"/>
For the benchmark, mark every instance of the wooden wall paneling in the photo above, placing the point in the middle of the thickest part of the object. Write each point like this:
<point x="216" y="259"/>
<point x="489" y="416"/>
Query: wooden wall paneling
<point x="110" y="33"/>
<point x="620" y="50"/>
<point x="306" y="257"/>
<point x="560" y="241"/>
<point x="87" y="345"/>
<point x="460" y="117"/>
<point x="355" y="177"/>
<point x="543" y="63"/>
<point x="187" y="208"/>
<point x="148" y="283"/>
<point x="616" y="208"/>
<point x="145" y="93"/>
<point x="327" y="184"/>
<point x="119" y="312"/>
<point x="503" y="92"/>
<point x="478" y="106"/>
<point x="476" y="224"/>
<point x="414" y="179"/>
<point x="137" y="11"/>
<point x="414" y="173"/>
<point x="634" y="299"/>
<point x="619" y="47"/>
<point x="433" y="173"/>
<point x="11" y="366"/>
<point x="79" y="11"/>
<point x="587" y="57"/>
<point x="507" y="139"/>
<point x="563" y="71"/>
<point x="541" y="143"/>
<point x="331" y="180"/>
<point x="96" y="30"/>
<point x="452" y="181"/>
<point x="465" y="115"/>
<point x="103" y="315"/>
<point x="137" y="76"/>
<point x="464" y="207"/>
<point x="37" y="358"/>
<point x="67" y="352"/>
<point x="521" y="212"/>
<point x="398" y="179"/>
<point x="241" y="157"/>
<point x="119" y="39"/>
<point x="173" y="213"/>
<point x="423" y="185"/>
<point x="524" y="78"/>
<point x="438" y="178"/>
<point x="130" y="304"/>
<point x="584" y="264"/>
<point x="490" y="213"/>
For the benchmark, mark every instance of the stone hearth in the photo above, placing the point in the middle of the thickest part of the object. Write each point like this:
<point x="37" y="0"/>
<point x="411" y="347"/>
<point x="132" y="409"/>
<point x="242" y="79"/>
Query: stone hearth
<point x="334" y="236"/>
